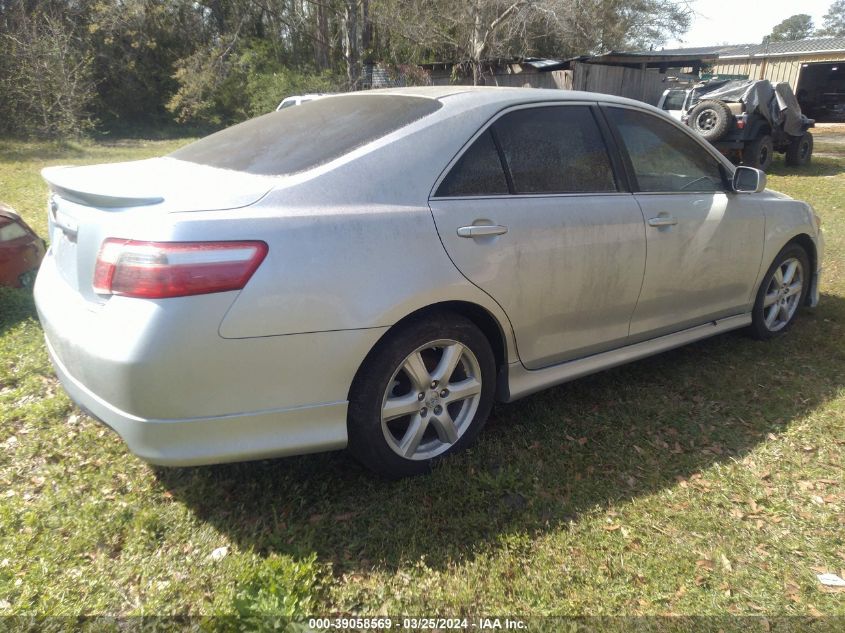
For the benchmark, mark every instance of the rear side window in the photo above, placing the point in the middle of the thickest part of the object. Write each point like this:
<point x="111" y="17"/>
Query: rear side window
<point x="295" y="139"/>
<point x="663" y="157"/>
<point x="477" y="173"/>
<point x="555" y="149"/>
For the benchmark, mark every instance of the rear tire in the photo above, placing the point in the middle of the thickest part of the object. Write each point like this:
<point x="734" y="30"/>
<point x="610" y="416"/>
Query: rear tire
<point x="711" y="119"/>
<point x="782" y="293"/>
<point x="759" y="153"/>
<point x="422" y="394"/>
<point x="800" y="150"/>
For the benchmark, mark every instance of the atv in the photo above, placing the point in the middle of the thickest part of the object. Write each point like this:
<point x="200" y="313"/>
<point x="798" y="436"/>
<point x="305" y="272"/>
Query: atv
<point x="748" y="121"/>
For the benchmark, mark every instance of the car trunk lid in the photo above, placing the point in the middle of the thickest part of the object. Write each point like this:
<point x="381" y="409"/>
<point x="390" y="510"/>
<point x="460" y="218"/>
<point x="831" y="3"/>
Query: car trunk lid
<point x="132" y="200"/>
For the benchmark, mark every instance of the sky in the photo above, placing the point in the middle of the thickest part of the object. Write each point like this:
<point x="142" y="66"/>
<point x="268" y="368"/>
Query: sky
<point x="736" y="22"/>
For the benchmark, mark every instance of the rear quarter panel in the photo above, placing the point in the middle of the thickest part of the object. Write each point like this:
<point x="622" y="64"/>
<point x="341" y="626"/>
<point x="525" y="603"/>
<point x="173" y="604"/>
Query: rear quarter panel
<point x="353" y="245"/>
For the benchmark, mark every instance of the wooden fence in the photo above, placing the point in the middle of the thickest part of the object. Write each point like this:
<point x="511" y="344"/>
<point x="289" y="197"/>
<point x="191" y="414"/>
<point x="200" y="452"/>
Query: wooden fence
<point x="634" y="83"/>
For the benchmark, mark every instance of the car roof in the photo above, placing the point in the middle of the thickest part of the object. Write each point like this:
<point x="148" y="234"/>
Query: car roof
<point x="484" y="95"/>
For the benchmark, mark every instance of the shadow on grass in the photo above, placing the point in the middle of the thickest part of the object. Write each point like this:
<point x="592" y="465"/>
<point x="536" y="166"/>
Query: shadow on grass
<point x="820" y="166"/>
<point x="14" y="152"/>
<point x="540" y="463"/>
<point x="23" y="151"/>
<point x="16" y="305"/>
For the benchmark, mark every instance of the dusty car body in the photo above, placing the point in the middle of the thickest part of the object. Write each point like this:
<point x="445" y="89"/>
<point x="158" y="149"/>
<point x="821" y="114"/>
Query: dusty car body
<point x="375" y="269"/>
<point x="21" y="250"/>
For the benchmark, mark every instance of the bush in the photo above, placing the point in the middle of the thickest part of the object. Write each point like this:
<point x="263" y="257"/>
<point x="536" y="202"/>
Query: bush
<point x="46" y="80"/>
<point x="219" y="87"/>
<point x="267" y="89"/>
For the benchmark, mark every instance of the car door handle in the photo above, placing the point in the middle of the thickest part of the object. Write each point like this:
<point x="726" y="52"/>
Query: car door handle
<point x="482" y="230"/>
<point x="665" y="220"/>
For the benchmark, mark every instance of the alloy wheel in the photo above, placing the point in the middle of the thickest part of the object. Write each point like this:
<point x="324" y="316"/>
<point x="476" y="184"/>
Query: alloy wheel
<point x="431" y="399"/>
<point x="783" y="293"/>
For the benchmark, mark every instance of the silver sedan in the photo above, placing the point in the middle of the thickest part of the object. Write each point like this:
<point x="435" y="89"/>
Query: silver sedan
<point x="373" y="270"/>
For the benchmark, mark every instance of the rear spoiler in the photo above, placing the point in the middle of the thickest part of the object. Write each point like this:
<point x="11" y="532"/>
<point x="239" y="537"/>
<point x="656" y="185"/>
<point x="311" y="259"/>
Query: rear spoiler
<point x="57" y="178"/>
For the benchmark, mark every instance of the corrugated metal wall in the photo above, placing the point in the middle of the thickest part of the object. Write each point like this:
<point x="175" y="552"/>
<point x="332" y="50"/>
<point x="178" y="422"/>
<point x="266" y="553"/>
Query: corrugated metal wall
<point x="775" y="69"/>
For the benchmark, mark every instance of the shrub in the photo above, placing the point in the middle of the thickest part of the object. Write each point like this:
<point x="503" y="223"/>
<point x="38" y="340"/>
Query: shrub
<point x="277" y="593"/>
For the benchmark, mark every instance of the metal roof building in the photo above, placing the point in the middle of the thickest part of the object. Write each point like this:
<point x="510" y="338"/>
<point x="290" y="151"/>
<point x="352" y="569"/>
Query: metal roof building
<point x="815" y="68"/>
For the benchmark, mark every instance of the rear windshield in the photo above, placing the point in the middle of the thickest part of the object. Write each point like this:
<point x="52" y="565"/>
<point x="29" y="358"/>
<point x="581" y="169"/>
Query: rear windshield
<point x="299" y="138"/>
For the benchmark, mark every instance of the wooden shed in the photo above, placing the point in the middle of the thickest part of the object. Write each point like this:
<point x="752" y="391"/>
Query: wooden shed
<point x="640" y="76"/>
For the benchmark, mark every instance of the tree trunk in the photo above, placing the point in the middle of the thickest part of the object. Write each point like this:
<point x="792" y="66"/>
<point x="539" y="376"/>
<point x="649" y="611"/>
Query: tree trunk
<point x="321" y="38"/>
<point x="366" y="32"/>
<point x="350" y="42"/>
<point x="477" y="44"/>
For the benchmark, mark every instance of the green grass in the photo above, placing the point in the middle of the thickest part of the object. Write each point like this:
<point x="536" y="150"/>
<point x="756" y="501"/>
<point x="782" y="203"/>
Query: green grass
<point x="708" y="480"/>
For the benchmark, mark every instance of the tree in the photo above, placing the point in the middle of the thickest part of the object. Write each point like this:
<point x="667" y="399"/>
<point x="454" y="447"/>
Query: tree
<point x="46" y="81"/>
<point x="473" y="31"/>
<point x="795" y="27"/>
<point x="834" y="20"/>
<point x="141" y="64"/>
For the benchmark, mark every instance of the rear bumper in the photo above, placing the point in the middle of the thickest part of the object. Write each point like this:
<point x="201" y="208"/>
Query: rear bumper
<point x="211" y="440"/>
<point x="179" y="394"/>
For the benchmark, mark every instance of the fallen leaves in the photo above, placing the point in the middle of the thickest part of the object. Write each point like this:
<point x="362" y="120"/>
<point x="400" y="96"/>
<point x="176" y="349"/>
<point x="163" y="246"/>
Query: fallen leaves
<point x="581" y="441"/>
<point x="705" y="563"/>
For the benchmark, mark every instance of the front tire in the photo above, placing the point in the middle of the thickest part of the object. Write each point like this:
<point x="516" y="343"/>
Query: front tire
<point x="783" y="291"/>
<point x="424" y="393"/>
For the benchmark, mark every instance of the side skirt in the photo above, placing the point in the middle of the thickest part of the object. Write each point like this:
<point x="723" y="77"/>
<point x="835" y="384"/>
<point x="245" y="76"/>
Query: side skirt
<point x="517" y="382"/>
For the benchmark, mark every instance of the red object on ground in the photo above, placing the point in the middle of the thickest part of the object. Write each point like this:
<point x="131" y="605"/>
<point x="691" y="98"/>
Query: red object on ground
<point x="21" y="250"/>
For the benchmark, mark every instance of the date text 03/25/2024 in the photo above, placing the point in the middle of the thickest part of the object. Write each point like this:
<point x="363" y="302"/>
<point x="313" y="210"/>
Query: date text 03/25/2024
<point x="417" y="624"/>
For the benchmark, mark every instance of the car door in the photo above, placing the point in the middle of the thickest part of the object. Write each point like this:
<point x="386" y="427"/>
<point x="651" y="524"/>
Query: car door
<point x="704" y="242"/>
<point x="532" y="213"/>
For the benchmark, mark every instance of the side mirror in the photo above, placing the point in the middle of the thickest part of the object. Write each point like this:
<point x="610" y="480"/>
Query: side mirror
<point x="749" y="180"/>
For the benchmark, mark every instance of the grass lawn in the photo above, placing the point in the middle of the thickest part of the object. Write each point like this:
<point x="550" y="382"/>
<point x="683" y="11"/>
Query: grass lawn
<point x="707" y="480"/>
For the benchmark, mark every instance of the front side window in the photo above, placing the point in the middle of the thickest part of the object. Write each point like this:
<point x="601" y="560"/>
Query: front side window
<point x="674" y="100"/>
<point x="663" y="157"/>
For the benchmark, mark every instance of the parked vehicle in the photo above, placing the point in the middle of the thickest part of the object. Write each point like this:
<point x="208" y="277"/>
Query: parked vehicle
<point x="21" y="250"/>
<point x="376" y="269"/>
<point x="295" y="100"/>
<point x="748" y="121"/>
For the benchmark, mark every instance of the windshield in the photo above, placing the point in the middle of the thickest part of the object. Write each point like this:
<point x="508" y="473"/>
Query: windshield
<point x="295" y="139"/>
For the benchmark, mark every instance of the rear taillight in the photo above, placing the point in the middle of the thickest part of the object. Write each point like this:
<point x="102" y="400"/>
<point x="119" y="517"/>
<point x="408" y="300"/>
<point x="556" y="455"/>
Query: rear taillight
<point x="11" y="230"/>
<point x="157" y="270"/>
